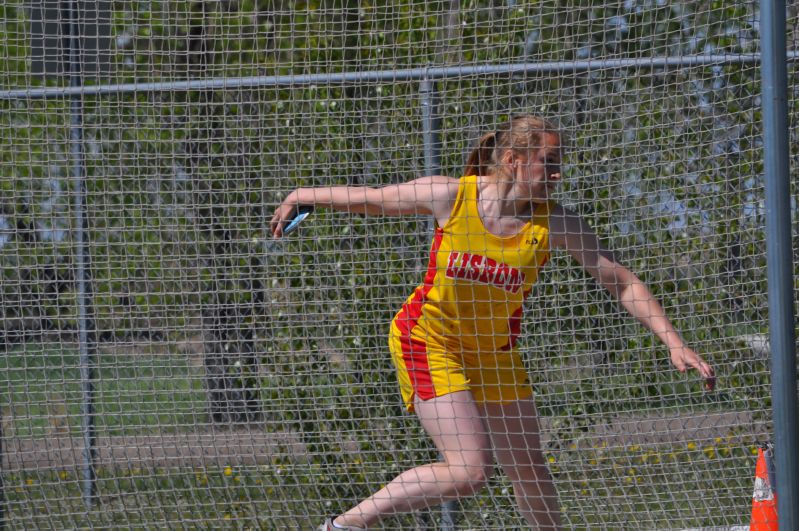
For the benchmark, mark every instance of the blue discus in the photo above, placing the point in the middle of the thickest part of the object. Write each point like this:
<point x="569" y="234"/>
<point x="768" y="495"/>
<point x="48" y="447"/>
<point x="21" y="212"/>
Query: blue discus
<point x="302" y="212"/>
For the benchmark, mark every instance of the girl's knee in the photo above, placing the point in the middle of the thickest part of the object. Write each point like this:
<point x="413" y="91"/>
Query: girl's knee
<point x="471" y="477"/>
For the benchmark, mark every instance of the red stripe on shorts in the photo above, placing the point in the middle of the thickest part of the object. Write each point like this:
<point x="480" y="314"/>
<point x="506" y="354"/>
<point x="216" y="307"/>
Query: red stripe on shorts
<point x="414" y="351"/>
<point x="515" y="324"/>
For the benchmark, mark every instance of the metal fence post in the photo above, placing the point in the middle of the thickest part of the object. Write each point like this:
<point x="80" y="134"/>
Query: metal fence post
<point x="779" y="260"/>
<point x="431" y="129"/>
<point x="431" y="137"/>
<point x="86" y="325"/>
<point x="3" y="499"/>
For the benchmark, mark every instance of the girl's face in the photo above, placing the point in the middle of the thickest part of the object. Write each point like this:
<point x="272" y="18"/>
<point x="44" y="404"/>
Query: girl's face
<point x="537" y="175"/>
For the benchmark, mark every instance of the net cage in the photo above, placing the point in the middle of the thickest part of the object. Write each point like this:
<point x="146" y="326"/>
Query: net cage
<point x="164" y="364"/>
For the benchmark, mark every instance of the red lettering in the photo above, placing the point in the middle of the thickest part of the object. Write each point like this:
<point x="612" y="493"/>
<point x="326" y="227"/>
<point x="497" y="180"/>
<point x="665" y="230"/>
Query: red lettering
<point x="461" y="273"/>
<point x="452" y="259"/>
<point x="501" y="276"/>
<point x="475" y="266"/>
<point x="484" y="270"/>
<point x="516" y="281"/>
<point x="487" y="270"/>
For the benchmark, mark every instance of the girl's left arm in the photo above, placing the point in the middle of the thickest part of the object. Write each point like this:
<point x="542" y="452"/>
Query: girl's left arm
<point x="571" y="232"/>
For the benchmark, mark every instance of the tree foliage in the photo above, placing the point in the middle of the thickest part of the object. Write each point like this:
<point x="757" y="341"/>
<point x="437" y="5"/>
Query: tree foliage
<point x="664" y="162"/>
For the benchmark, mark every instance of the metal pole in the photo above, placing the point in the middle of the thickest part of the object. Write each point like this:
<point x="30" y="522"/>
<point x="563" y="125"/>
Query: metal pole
<point x="411" y="74"/>
<point x="86" y="336"/>
<point x="431" y="132"/>
<point x="3" y="501"/>
<point x="431" y="137"/>
<point x="780" y="261"/>
<point x="431" y="127"/>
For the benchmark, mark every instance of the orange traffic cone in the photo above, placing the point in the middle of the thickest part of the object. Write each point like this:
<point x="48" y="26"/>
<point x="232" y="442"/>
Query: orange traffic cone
<point x="764" y="499"/>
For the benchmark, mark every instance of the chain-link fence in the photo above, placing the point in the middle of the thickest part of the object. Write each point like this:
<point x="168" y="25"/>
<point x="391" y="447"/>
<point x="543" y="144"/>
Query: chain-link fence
<point x="164" y="366"/>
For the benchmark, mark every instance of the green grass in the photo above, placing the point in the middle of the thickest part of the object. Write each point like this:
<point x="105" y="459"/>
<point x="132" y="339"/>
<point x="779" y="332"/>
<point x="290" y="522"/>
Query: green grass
<point x="664" y="486"/>
<point x="669" y="485"/>
<point x="600" y="488"/>
<point x="145" y="499"/>
<point x="134" y="393"/>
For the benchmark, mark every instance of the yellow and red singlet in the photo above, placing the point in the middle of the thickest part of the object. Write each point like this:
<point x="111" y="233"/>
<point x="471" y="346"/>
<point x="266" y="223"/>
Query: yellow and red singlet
<point x="458" y="329"/>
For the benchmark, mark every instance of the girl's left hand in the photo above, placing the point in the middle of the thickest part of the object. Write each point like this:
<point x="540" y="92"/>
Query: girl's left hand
<point x="684" y="358"/>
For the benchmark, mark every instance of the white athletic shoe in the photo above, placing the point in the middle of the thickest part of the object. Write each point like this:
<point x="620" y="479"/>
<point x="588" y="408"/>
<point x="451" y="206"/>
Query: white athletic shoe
<point x="328" y="526"/>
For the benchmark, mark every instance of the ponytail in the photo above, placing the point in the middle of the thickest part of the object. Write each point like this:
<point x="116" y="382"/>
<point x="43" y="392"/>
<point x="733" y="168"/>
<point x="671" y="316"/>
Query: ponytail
<point x="480" y="157"/>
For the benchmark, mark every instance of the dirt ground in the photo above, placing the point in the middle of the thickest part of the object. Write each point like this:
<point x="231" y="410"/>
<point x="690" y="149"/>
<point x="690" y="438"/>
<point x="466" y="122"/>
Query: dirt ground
<point x="210" y="446"/>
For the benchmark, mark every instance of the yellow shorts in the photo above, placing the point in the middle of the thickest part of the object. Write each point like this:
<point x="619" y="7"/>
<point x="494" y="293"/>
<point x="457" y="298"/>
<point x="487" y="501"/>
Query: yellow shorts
<point x="427" y="371"/>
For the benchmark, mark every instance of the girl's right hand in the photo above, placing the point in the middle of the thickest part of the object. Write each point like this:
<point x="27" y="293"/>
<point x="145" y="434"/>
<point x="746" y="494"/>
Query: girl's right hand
<point x="283" y="214"/>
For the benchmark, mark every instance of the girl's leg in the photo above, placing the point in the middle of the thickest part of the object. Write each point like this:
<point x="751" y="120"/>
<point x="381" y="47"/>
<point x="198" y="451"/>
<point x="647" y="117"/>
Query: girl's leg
<point x="455" y="424"/>
<point x="515" y="435"/>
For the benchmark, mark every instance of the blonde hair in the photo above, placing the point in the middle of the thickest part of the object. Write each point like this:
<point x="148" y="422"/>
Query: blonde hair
<point x="521" y="134"/>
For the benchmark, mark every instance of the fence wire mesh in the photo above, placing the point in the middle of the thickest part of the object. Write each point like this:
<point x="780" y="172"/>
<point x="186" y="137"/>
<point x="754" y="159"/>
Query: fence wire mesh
<point x="242" y="384"/>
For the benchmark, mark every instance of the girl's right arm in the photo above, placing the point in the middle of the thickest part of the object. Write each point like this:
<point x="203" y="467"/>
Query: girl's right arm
<point x="433" y="195"/>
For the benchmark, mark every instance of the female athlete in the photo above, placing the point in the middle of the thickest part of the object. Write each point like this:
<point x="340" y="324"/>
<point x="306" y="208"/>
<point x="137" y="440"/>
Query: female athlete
<point x="452" y="341"/>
